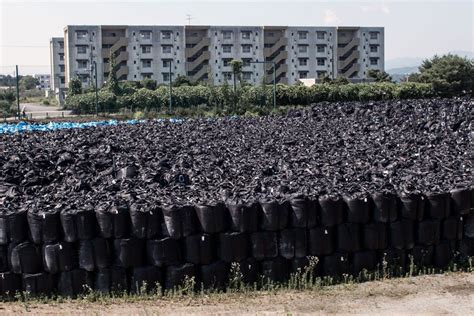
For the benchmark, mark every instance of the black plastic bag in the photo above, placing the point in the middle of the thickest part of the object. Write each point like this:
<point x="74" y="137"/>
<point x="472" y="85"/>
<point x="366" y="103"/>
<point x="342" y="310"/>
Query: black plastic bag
<point x="375" y="236"/>
<point x="366" y="259"/>
<point x="244" y="217"/>
<point x="348" y="237"/>
<point x="39" y="283"/>
<point x="129" y="253"/>
<point x="250" y="270"/>
<point x="59" y="257"/>
<point x="111" y="280"/>
<point x="78" y="224"/>
<point x="45" y="227"/>
<point x="200" y="249"/>
<point x="292" y="243"/>
<point x="146" y="279"/>
<point x="385" y="207"/>
<point x="274" y="215"/>
<point x="212" y="218"/>
<point x="145" y="220"/>
<point x="449" y="228"/>
<point x="10" y="284"/>
<point x="114" y="221"/>
<point x="13" y="227"/>
<point x="412" y="206"/>
<point x="422" y="255"/>
<point x="438" y="205"/>
<point x="25" y="258"/>
<point x="95" y="254"/>
<point x="358" y="209"/>
<point x="72" y="283"/>
<point x="163" y="252"/>
<point x="214" y="275"/>
<point x="335" y="264"/>
<point x="264" y="244"/>
<point x="303" y="213"/>
<point x="402" y="235"/>
<point x="275" y="270"/>
<point x="428" y="232"/>
<point x="443" y="254"/>
<point x="233" y="246"/>
<point x="461" y="201"/>
<point x="175" y="275"/>
<point x="321" y="241"/>
<point x="332" y="210"/>
<point x="395" y="259"/>
<point x="4" y="266"/>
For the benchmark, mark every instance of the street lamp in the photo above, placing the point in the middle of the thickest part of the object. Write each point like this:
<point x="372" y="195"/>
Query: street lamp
<point x="96" y="92"/>
<point x="274" y="76"/>
<point x="170" y="85"/>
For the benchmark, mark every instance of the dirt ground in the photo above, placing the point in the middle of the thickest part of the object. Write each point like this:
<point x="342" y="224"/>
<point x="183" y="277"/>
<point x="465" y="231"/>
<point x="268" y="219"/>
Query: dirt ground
<point x="451" y="293"/>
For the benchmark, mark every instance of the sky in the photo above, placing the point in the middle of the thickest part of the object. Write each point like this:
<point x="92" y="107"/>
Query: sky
<point x="412" y="28"/>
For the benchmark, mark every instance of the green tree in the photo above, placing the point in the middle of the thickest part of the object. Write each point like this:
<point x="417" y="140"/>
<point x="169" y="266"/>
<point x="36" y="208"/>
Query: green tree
<point x="75" y="87"/>
<point x="449" y="74"/>
<point x="325" y="78"/>
<point x="182" y="81"/>
<point x="379" y="76"/>
<point x="340" y="80"/>
<point x="148" y="83"/>
<point x="112" y="81"/>
<point x="237" y="71"/>
<point x="28" y="82"/>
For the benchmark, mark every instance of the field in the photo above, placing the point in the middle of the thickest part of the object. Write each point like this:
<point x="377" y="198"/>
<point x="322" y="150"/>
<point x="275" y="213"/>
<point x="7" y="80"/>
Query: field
<point x="332" y="190"/>
<point x="451" y="293"/>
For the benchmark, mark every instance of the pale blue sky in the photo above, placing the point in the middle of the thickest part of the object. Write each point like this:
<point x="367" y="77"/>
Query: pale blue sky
<point x="412" y="28"/>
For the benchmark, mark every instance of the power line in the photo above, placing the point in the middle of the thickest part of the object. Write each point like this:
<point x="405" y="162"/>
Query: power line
<point x="24" y="46"/>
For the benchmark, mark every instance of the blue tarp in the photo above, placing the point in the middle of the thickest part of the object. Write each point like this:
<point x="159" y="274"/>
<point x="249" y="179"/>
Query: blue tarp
<point x="25" y="127"/>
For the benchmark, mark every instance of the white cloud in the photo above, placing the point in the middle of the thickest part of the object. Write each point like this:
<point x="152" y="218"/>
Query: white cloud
<point x="330" y="17"/>
<point x="382" y="7"/>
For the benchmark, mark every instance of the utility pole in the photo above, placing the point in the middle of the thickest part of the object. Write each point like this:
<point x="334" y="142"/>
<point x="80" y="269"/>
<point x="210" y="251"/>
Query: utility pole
<point x="189" y="18"/>
<point x="96" y="90"/>
<point x="265" y="74"/>
<point x="17" y="92"/>
<point x="171" y="88"/>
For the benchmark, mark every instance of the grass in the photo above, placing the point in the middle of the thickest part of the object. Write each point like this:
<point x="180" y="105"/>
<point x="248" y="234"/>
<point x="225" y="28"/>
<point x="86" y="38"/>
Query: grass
<point x="189" y="291"/>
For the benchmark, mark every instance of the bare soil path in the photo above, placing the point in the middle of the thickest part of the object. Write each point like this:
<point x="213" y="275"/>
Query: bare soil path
<point x="451" y="293"/>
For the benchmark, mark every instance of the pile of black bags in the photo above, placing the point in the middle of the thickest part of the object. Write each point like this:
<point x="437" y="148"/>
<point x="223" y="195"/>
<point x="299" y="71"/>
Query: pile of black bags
<point x="133" y="249"/>
<point x="121" y="208"/>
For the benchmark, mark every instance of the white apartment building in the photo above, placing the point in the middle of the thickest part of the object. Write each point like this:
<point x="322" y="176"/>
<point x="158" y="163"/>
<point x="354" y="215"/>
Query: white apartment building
<point x="204" y="53"/>
<point x="57" y="77"/>
<point x="43" y="81"/>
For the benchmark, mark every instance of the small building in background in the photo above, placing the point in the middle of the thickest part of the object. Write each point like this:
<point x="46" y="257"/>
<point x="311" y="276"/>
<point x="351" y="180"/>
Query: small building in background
<point x="44" y="81"/>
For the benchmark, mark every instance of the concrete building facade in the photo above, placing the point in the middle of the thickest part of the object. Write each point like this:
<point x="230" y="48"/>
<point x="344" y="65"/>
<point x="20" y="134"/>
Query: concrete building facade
<point x="58" y="68"/>
<point x="43" y="81"/>
<point x="204" y="53"/>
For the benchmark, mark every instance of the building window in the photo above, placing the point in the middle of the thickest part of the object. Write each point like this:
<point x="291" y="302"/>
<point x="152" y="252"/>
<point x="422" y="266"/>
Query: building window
<point x="166" y="76"/>
<point x="373" y="48"/>
<point x="62" y="80"/>
<point x="81" y="49"/>
<point x="320" y="74"/>
<point x="82" y="64"/>
<point x="247" y="75"/>
<point x="374" y="35"/>
<point x="227" y="75"/>
<point x="246" y="62"/>
<point x="146" y="49"/>
<point x="84" y="79"/>
<point x="81" y="34"/>
<point x="146" y="63"/>
<point x="61" y="56"/>
<point x="303" y="61"/>
<point x="166" y="63"/>
<point x="246" y="35"/>
<point x="303" y="74"/>
<point x="166" y="35"/>
<point x="302" y="48"/>
<point x="374" y="61"/>
<point x="320" y="35"/>
<point x="226" y="61"/>
<point x="321" y="48"/>
<point x="227" y="48"/>
<point x="61" y="45"/>
<point x="145" y="34"/>
<point x="166" y="49"/>
<point x="61" y="68"/>
<point x="246" y="48"/>
<point x="227" y="35"/>
<point x="321" y="61"/>
<point x="302" y="35"/>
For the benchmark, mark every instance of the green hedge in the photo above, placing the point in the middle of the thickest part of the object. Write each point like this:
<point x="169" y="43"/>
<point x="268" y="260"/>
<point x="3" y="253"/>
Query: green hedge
<point x="223" y="97"/>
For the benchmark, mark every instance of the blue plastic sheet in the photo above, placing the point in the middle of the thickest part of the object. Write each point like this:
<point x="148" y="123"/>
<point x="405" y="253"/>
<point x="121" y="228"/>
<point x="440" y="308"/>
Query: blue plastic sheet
<point x="26" y="127"/>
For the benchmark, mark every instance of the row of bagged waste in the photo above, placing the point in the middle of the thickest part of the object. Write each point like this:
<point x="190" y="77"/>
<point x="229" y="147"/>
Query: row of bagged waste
<point x="62" y="250"/>
<point x="67" y="275"/>
<point x="121" y="219"/>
